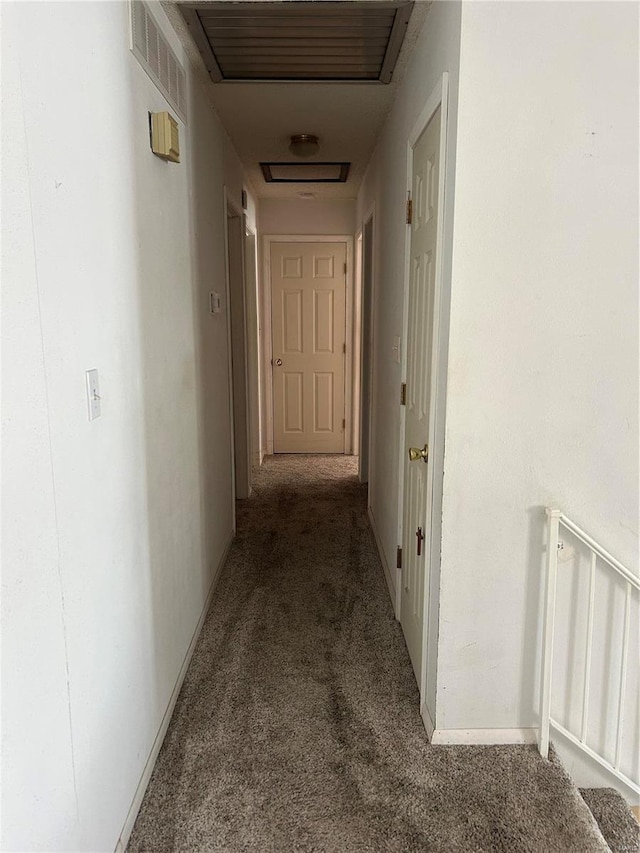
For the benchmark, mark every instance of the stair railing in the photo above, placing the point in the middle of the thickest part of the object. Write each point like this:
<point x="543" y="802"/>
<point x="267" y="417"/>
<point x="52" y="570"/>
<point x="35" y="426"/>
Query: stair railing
<point x="557" y="520"/>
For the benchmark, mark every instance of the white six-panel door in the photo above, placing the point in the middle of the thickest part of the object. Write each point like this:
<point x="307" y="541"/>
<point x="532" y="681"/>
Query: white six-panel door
<point x="308" y="290"/>
<point x="416" y="503"/>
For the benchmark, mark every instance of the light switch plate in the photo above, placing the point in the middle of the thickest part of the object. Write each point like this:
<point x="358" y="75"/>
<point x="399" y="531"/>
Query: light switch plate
<point x="93" y="394"/>
<point x="395" y="348"/>
<point x="215" y="303"/>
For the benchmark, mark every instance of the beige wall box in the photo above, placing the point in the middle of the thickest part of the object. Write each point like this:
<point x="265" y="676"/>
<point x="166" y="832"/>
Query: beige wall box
<point x="165" y="136"/>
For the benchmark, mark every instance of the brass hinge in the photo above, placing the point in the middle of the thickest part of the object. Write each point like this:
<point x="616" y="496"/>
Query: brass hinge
<point x="345" y="267"/>
<point x="344" y="348"/>
<point x="344" y="423"/>
<point x="409" y="210"/>
<point x="399" y="558"/>
<point x="403" y="394"/>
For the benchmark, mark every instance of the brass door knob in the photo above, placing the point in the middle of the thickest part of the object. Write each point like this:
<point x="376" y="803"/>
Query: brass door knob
<point x="415" y="453"/>
<point x="278" y="362"/>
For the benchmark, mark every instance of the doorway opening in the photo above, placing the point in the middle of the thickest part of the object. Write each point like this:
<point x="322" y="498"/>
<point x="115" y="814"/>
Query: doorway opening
<point x="422" y="413"/>
<point x="309" y="318"/>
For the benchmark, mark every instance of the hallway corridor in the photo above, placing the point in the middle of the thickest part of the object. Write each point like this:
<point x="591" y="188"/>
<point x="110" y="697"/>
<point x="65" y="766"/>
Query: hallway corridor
<point x="297" y="728"/>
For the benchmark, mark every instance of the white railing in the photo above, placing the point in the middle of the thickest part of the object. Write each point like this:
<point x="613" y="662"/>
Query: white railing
<point x="556" y="520"/>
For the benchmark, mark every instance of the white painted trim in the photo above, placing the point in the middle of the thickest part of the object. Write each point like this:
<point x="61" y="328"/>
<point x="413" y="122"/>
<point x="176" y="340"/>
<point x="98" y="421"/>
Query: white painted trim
<point x="602" y="763"/>
<point x="357" y="343"/>
<point x="428" y="722"/>
<point x="438" y="363"/>
<point x="439" y="97"/>
<point x="385" y="566"/>
<point x="590" y="771"/>
<point x="228" y="202"/>
<point x="483" y="736"/>
<point x="267" y="353"/>
<point x="370" y="214"/>
<point x="267" y="240"/>
<point x="254" y="365"/>
<point x="132" y="814"/>
<point x="349" y="403"/>
<point x="231" y="207"/>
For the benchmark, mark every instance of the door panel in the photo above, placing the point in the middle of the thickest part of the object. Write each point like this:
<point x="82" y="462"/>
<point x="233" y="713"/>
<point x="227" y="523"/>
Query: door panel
<point x="323" y="402"/>
<point x="292" y="321"/>
<point x="417" y="500"/>
<point x="308" y="290"/>
<point x="323" y="313"/>
<point x="292" y="402"/>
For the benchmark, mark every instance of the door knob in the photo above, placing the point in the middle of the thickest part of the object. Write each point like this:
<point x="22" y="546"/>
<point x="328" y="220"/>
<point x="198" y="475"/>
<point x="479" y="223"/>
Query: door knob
<point x="278" y="362"/>
<point x="415" y="453"/>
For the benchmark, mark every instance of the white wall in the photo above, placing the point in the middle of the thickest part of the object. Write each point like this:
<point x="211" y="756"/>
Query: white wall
<point x="543" y="373"/>
<point x="306" y="216"/>
<point x="384" y="187"/>
<point x="113" y="529"/>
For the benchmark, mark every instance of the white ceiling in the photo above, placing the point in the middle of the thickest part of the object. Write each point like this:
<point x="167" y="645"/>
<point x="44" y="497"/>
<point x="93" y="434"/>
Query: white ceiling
<point x="260" y="117"/>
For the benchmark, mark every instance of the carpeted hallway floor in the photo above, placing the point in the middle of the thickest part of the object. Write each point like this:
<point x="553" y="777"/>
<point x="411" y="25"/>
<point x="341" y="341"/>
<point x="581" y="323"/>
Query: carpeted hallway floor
<point x="297" y="728"/>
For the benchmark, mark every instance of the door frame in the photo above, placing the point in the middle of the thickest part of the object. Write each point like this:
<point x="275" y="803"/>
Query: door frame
<point x="254" y="362"/>
<point x="243" y="490"/>
<point x="357" y="341"/>
<point x="366" y="358"/>
<point x="439" y="97"/>
<point x="267" y="355"/>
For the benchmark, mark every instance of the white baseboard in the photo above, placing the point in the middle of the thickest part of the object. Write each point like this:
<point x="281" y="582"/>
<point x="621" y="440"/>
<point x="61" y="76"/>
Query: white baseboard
<point x="428" y="722"/>
<point x="127" y="829"/>
<point x="483" y="736"/>
<point x="383" y="560"/>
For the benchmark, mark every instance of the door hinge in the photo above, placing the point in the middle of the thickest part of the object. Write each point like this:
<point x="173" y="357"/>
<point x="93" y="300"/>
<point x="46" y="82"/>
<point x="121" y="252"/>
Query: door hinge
<point x="345" y="267"/>
<point x="344" y="423"/>
<point x="344" y="348"/>
<point x="403" y="394"/>
<point x="399" y="558"/>
<point x="409" y="209"/>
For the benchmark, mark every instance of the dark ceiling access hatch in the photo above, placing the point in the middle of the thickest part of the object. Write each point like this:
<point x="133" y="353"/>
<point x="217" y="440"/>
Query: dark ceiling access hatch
<point x="305" y="173"/>
<point x="299" y="41"/>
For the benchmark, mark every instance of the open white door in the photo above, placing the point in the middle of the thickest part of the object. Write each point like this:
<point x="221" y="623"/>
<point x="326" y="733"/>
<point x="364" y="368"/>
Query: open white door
<point x="417" y="497"/>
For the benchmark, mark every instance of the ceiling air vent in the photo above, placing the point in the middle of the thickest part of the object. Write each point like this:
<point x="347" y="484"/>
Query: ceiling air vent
<point x="305" y="173"/>
<point x="299" y="41"/>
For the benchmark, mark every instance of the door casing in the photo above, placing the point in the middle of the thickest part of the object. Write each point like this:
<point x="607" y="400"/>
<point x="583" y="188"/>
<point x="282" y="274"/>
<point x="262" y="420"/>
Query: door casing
<point x="437" y="391"/>
<point x="267" y="240"/>
<point x="367" y="326"/>
<point x="235" y="299"/>
<point x="254" y="335"/>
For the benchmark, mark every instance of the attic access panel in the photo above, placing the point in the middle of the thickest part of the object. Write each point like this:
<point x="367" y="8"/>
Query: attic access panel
<point x="305" y="173"/>
<point x="299" y="41"/>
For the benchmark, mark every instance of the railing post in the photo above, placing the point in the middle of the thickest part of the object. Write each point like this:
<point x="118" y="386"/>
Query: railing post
<point x="587" y="660"/>
<point x="623" y="676"/>
<point x="553" y="516"/>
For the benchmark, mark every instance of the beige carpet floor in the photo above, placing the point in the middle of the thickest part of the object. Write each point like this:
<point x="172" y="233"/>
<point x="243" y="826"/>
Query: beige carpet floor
<point x="616" y="821"/>
<point x="297" y="728"/>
